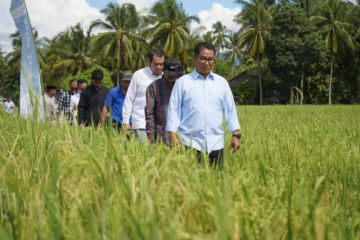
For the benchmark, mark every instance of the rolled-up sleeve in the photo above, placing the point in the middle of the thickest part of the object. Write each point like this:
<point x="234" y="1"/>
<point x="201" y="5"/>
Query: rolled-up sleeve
<point x="230" y="113"/>
<point x="129" y="100"/>
<point x="174" y="109"/>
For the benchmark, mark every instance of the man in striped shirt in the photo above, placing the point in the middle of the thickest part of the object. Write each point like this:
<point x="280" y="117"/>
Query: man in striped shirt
<point x="157" y="101"/>
<point x="64" y="102"/>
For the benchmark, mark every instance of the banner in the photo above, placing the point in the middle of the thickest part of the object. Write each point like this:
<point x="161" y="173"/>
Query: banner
<point x="31" y="98"/>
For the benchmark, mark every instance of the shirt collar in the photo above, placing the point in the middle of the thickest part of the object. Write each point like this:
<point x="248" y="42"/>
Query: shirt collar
<point x="120" y="90"/>
<point x="70" y="92"/>
<point x="196" y="75"/>
<point x="95" y="88"/>
<point x="163" y="80"/>
<point x="152" y="73"/>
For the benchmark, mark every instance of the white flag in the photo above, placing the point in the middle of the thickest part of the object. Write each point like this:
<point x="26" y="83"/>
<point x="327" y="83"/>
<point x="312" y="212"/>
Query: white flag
<point x="31" y="98"/>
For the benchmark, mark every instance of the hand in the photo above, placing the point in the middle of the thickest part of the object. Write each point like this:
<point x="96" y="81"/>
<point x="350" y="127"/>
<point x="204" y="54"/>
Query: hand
<point x="58" y="117"/>
<point x="235" y="144"/>
<point x="126" y="126"/>
<point x="173" y="139"/>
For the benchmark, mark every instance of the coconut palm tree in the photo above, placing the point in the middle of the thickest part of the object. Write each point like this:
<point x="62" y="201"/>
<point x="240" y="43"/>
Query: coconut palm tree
<point x="69" y="53"/>
<point x="335" y="31"/>
<point x="233" y="52"/>
<point x="170" y="28"/>
<point x="208" y="37"/>
<point x="121" y="23"/>
<point x="221" y="36"/>
<point x="187" y="55"/>
<point x="256" y="20"/>
<point x="15" y="55"/>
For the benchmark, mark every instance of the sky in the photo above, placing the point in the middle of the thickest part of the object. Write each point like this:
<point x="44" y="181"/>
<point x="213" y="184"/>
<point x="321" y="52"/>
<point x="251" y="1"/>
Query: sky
<point x="50" y="17"/>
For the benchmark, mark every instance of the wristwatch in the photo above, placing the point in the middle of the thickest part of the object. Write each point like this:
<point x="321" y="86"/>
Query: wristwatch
<point x="237" y="135"/>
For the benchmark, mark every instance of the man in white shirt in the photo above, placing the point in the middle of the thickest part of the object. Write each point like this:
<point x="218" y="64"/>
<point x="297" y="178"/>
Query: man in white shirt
<point x="135" y="100"/>
<point x="50" y="104"/>
<point x="9" y="105"/>
<point x="75" y="98"/>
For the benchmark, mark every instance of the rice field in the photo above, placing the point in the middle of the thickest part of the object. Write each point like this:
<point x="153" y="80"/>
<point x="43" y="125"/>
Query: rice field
<point x="296" y="176"/>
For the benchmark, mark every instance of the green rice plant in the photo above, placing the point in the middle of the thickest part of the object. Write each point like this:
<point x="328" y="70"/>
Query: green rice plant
<point x="296" y="176"/>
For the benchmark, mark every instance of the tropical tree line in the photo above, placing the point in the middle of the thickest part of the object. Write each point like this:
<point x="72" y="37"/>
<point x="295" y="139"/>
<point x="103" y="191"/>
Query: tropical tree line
<point x="302" y="51"/>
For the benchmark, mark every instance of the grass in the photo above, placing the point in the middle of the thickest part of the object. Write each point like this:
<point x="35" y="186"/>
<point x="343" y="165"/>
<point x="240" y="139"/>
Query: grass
<point x="297" y="176"/>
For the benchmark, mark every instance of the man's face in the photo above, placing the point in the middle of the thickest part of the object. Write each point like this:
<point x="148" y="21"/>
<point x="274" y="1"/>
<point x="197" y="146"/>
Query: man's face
<point x="52" y="93"/>
<point x="157" y="64"/>
<point x="74" y="86"/>
<point x="205" y="61"/>
<point x="125" y="84"/>
<point x="170" y="77"/>
<point x="96" y="82"/>
<point x="82" y="86"/>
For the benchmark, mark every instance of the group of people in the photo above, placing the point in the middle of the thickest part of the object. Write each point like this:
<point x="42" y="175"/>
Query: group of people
<point x="61" y="104"/>
<point x="159" y="103"/>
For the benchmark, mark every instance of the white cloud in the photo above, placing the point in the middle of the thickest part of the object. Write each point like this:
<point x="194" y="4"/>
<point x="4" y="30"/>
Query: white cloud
<point x="139" y="4"/>
<point x="218" y="13"/>
<point x="7" y="25"/>
<point x="49" y="17"/>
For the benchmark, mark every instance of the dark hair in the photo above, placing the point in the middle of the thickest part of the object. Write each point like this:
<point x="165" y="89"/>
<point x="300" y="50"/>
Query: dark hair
<point x="114" y="77"/>
<point x="155" y="52"/>
<point x="81" y="81"/>
<point x="71" y="81"/>
<point x="97" y="74"/>
<point x="203" y="45"/>
<point x="50" y="87"/>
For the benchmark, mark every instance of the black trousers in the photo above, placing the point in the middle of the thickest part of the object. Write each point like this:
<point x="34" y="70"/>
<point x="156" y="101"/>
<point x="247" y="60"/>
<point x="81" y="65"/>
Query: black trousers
<point x="116" y="125"/>
<point x="215" y="158"/>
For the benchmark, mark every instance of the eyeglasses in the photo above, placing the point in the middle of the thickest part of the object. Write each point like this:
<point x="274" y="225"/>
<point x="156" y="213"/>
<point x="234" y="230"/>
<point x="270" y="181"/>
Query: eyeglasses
<point x="210" y="60"/>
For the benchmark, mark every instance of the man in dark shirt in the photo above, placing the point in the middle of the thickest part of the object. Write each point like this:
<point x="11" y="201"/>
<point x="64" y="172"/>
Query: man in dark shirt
<point x="157" y="100"/>
<point x="92" y="101"/>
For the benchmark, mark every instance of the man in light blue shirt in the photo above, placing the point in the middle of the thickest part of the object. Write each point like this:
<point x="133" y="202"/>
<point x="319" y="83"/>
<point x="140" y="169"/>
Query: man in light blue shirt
<point x="198" y="104"/>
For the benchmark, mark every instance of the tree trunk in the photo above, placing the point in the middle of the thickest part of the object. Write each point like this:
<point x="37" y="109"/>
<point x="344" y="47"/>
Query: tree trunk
<point x="331" y="75"/>
<point x="259" y="79"/>
<point x="121" y="54"/>
<point x="291" y="94"/>
<point x="254" y="92"/>
<point x="117" y="64"/>
<point x="302" y="89"/>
